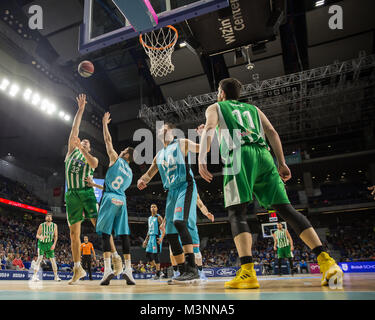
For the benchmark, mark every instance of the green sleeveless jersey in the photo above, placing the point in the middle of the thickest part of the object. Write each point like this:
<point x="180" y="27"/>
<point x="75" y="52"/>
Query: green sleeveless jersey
<point x="77" y="170"/>
<point x="282" y="239"/>
<point x="239" y="124"/>
<point x="48" y="232"/>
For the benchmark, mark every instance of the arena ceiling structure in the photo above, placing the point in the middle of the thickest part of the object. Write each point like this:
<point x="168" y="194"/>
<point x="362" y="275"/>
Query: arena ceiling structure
<point x="304" y="74"/>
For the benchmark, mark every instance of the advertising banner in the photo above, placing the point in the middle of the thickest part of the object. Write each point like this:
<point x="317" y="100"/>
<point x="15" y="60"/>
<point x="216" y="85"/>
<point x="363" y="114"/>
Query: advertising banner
<point x="314" y="268"/>
<point x="228" y="271"/>
<point x="26" y="275"/>
<point x="366" y="266"/>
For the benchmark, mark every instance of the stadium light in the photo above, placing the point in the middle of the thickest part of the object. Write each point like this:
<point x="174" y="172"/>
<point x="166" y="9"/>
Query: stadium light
<point x="61" y="114"/>
<point x="182" y="44"/>
<point x="14" y="89"/>
<point x="44" y="105"/>
<point x="36" y="99"/>
<point x="51" y="108"/>
<point x="67" y="117"/>
<point x="27" y="94"/>
<point x="4" y="84"/>
<point x="319" y="3"/>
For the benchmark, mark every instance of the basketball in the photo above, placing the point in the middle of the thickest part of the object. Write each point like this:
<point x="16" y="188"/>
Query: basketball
<point x="86" y="69"/>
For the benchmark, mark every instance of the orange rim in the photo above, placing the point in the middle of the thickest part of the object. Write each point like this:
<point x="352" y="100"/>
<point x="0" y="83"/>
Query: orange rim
<point x="162" y="48"/>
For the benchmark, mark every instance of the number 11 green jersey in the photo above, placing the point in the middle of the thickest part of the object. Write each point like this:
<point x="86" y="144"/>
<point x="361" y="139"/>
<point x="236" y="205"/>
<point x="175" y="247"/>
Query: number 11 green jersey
<point x="248" y="165"/>
<point x="239" y="124"/>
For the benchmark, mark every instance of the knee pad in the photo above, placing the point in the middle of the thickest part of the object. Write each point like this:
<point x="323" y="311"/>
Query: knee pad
<point x="238" y="219"/>
<point x="175" y="244"/>
<point x="183" y="232"/>
<point x="106" y="242"/>
<point x="125" y="239"/>
<point x="295" y="219"/>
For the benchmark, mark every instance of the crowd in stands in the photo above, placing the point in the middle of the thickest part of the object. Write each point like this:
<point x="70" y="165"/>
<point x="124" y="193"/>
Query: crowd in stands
<point x="355" y="242"/>
<point x="18" y="245"/>
<point x="15" y="191"/>
<point x="340" y="194"/>
<point x="331" y="193"/>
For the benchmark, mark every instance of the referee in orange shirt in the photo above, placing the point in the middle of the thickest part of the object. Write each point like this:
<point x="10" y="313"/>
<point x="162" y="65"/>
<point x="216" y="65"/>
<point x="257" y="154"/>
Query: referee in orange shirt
<point x="86" y="248"/>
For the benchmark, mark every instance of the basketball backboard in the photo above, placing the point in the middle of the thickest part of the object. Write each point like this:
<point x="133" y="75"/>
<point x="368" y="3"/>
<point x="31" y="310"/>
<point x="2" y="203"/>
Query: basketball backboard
<point x="269" y="228"/>
<point x="104" y="24"/>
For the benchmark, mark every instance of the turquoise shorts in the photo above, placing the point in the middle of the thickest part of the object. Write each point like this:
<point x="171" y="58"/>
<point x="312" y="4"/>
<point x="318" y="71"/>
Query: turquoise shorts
<point x="181" y="205"/>
<point x="113" y="215"/>
<point x="152" y="244"/>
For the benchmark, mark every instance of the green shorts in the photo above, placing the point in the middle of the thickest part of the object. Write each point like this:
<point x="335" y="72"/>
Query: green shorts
<point x="80" y="205"/>
<point x="44" y="249"/>
<point x="254" y="172"/>
<point x="284" y="252"/>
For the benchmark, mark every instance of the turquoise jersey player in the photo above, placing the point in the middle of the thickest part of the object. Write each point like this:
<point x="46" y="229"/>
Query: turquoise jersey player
<point x="113" y="215"/>
<point x="173" y="164"/>
<point x="154" y="240"/>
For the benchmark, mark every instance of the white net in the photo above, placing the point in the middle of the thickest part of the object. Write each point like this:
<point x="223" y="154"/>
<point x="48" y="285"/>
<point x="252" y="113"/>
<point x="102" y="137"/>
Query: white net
<point x="159" y="46"/>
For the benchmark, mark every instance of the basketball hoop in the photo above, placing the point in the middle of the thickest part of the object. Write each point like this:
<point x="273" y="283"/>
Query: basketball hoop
<point x="159" y="46"/>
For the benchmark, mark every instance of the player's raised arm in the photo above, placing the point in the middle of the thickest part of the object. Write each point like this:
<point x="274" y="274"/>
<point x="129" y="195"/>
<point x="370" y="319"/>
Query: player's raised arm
<point x="204" y="209"/>
<point x="146" y="178"/>
<point x="112" y="154"/>
<point x="91" y="160"/>
<point x="212" y="120"/>
<point x="275" y="142"/>
<point x="81" y="101"/>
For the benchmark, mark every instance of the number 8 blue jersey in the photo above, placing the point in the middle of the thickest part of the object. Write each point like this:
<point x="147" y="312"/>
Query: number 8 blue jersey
<point x="119" y="177"/>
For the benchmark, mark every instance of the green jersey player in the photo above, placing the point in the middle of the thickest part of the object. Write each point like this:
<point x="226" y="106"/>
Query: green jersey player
<point x="47" y="239"/>
<point x="283" y="244"/>
<point x="80" y="198"/>
<point x="249" y="169"/>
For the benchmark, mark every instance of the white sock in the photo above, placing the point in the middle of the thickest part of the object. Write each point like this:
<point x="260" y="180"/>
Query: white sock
<point x="115" y="254"/>
<point x="107" y="265"/>
<point x="77" y="264"/>
<point x="128" y="264"/>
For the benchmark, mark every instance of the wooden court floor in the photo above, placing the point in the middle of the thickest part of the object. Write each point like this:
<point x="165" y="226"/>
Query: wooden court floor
<point x="360" y="286"/>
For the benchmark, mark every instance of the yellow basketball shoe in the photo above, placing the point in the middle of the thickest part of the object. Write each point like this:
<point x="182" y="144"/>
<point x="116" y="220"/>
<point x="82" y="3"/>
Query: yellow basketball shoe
<point x="245" y="278"/>
<point x="332" y="273"/>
